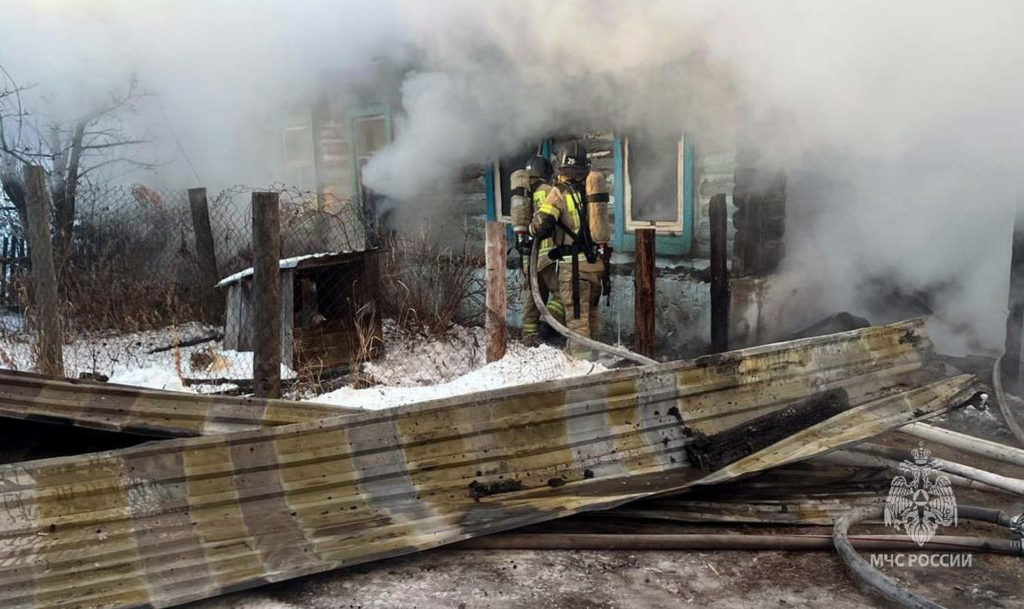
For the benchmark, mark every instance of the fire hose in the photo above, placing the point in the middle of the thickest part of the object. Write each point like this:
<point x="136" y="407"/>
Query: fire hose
<point x="566" y="332"/>
<point x="885" y="586"/>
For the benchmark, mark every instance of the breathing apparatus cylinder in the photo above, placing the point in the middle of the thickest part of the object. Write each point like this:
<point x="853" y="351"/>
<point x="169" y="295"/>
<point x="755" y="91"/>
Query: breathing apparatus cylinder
<point x="522" y="202"/>
<point x="598" y="208"/>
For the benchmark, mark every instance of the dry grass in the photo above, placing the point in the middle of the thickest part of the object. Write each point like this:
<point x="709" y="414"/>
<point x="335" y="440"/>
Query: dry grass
<point x="429" y="286"/>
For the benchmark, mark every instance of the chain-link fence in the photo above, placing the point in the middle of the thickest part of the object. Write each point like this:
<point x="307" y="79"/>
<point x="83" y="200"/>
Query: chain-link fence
<point x="359" y="304"/>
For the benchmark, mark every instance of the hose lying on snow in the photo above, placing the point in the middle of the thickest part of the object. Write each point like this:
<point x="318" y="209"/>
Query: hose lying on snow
<point x="566" y="332"/>
<point x="887" y="587"/>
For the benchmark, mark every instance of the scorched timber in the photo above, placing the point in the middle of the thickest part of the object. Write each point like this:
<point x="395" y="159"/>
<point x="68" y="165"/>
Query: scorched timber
<point x="168" y="522"/>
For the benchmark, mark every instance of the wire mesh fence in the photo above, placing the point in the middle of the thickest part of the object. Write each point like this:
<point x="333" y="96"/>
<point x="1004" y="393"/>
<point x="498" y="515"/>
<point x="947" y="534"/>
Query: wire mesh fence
<point x="358" y="304"/>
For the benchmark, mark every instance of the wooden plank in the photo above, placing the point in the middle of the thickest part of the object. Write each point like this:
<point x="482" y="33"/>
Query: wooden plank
<point x="287" y="284"/>
<point x="719" y="276"/>
<point x="233" y="318"/>
<point x="497" y="300"/>
<point x="205" y="252"/>
<point x="643" y="293"/>
<point x="266" y="237"/>
<point x="45" y="299"/>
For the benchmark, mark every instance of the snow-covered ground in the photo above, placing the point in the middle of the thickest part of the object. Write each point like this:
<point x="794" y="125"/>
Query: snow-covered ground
<point x="411" y="369"/>
<point x="126" y="358"/>
<point x="521" y="365"/>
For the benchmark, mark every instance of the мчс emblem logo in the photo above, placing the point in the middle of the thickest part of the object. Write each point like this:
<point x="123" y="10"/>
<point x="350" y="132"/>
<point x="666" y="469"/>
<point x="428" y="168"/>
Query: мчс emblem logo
<point x="921" y="500"/>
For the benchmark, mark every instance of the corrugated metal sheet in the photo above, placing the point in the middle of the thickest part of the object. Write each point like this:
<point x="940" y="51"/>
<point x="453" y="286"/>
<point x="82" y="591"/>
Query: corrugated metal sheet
<point x="143" y="411"/>
<point x="164" y="414"/>
<point x="173" y="521"/>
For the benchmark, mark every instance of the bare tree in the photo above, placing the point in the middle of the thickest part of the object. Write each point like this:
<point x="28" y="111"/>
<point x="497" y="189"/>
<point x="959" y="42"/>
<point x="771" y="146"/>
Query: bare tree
<point x="70" y="152"/>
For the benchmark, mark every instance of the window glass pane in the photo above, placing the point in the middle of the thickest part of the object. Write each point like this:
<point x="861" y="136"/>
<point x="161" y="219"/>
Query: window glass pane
<point x="371" y="136"/>
<point x="298" y="145"/>
<point x="654" y="179"/>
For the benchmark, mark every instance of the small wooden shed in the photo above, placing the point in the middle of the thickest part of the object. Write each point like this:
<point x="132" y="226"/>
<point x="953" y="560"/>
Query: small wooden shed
<point x="329" y="309"/>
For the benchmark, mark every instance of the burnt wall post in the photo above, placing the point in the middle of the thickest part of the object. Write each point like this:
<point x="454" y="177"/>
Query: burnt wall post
<point x="643" y="292"/>
<point x="719" y="276"/>
<point x="1010" y="366"/>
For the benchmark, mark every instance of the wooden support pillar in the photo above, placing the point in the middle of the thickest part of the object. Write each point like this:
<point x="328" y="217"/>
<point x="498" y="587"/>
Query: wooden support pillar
<point x="45" y="299"/>
<point x="497" y="299"/>
<point x="1010" y="371"/>
<point x="643" y="292"/>
<point x="205" y="253"/>
<point x="719" y="276"/>
<point x="266" y="238"/>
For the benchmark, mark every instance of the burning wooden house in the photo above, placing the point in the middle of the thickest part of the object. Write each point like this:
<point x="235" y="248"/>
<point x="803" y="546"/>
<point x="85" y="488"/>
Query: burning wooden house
<point x="329" y="309"/>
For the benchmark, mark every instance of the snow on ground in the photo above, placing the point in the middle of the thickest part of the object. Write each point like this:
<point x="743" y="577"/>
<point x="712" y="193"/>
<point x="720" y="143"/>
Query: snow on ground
<point x="427" y="361"/>
<point x="521" y="365"/>
<point x="126" y="358"/>
<point x="410" y="370"/>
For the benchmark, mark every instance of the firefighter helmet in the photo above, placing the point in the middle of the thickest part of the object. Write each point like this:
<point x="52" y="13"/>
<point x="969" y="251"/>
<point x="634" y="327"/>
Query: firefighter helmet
<point x="571" y="160"/>
<point x="539" y="168"/>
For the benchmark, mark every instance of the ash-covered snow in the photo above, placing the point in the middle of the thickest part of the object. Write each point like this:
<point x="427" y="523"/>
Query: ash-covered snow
<point x="417" y="361"/>
<point x="521" y="365"/>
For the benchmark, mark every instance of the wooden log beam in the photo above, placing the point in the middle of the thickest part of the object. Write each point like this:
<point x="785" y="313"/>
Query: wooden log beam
<point x="643" y="293"/>
<point x="266" y="236"/>
<point x="497" y="301"/>
<point x="50" y="355"/>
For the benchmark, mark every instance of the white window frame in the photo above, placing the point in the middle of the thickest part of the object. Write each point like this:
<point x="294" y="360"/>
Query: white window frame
<point x="300" y="166"/>
<point x="675" y="227"/>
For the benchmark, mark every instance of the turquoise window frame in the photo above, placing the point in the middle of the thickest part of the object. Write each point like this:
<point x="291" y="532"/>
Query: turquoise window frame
<point x="364" y="112"/>
<point x="669" y="245"/>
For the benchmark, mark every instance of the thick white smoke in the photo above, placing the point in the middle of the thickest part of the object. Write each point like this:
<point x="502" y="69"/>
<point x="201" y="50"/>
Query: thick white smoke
<point x="900" y="124"/>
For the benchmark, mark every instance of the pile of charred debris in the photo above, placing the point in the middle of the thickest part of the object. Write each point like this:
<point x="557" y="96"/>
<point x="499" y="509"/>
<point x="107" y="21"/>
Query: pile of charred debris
<point x="231" y="493"/>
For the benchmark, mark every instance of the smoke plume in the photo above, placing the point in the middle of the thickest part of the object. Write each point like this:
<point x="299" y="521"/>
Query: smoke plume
<point x="900" y="124"/>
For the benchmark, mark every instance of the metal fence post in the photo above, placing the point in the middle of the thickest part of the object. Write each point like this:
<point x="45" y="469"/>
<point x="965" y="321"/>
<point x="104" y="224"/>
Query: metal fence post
<point x="51" y="342"/>
<point x="266" y="236"/>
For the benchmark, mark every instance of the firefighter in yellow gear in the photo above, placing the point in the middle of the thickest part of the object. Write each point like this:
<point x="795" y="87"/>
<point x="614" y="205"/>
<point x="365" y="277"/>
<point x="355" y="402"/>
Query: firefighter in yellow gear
<point x="564" y="216"/>
<point x="538" y="169"/>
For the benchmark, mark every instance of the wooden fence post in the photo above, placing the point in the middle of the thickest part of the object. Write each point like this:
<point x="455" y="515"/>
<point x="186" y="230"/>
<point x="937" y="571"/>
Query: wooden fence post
<point x="46" y="301"/>
<point x="643" y="292"/>
<point x="1010" y="365"/>
<point x="205" y="253"/>
<point x="719" y="276"/>
<point x="266" y="240"/>
<point x="497" y="299"/>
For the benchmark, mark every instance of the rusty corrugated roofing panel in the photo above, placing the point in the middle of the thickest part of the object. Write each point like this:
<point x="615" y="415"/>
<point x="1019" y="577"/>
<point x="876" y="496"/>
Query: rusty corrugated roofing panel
<point x="173" y="521"/>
